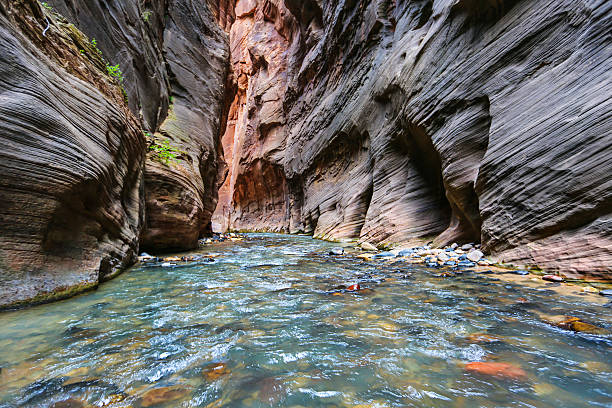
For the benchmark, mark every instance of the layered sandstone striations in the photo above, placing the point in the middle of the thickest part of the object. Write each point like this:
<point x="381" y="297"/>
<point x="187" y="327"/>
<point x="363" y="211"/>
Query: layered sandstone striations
<point x="74" y="180"/>
<point x="70" y="165"/>
<point x="173" y="54"/>
<point x="409" y="121"/>
<point x="182" y="194"/>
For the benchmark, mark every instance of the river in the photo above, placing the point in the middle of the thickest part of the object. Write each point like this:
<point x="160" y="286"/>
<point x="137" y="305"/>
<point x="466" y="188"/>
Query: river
<point x="267" y="324"/>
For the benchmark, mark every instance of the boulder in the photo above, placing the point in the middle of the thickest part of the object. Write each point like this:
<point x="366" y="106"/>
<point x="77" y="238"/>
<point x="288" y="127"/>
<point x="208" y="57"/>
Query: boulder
<point x="475" y="255"/>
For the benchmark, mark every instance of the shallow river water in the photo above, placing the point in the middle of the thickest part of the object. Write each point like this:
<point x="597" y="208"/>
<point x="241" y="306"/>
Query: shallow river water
<point x="260" y="327"/>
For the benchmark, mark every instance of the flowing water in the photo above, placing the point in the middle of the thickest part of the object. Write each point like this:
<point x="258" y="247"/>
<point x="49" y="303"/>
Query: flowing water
<point x="261" y="326"/>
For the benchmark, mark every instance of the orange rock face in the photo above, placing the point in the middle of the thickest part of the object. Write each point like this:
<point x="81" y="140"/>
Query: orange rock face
<point x="254" y="194"/>
<point x="500" y="370"/>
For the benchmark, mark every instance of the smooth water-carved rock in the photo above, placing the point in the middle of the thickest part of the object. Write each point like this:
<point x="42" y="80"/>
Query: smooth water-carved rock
<point x="497" y="369"/>
<point x="409" y="122"/>
<point x="173" y="55"/>
<point x="70" y="164"/>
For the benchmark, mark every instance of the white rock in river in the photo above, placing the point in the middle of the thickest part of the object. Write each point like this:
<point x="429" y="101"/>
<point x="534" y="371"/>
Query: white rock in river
<point x="466" y="247"/>
<point x="368" y="247"/>
<point x="474" y="255"/>
<point x="443" y="257"/>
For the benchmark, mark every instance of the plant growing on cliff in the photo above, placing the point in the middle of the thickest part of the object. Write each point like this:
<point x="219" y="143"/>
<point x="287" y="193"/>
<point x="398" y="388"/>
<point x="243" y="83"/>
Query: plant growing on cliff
<point x="113" y="71"/>
<point x="46" y="5"/>
<point x="146" y="16"/>
<point x="164" y="151"/>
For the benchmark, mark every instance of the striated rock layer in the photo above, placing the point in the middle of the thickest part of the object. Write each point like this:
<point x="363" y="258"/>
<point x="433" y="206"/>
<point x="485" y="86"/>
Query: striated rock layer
<point x="71" y="161"/>
<point x="173" y="54"/>
<point x="74" y="180"/>
<point x="400" y="122"/>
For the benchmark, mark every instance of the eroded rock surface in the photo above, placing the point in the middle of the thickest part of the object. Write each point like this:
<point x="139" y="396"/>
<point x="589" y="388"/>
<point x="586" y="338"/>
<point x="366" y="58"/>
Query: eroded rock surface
<point x="173" y="54"/>
<point x="70" y="165"/>
<point x="182" y="195"/>
<point x="404" y="122"/>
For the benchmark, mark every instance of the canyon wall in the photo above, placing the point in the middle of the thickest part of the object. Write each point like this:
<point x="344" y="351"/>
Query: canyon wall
<point x="388" y="121"/>
<point x="173" y="54"/>
<point x="71" y="161"/>
<point x="84" y="184"/>
<point x="401" y="122"/>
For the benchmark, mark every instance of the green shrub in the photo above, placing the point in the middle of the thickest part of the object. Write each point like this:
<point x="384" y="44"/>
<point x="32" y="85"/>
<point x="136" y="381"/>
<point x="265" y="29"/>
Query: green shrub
<point x="146" y="16"/>
<point x="164" y="151"/>
<point x="113" y="71"/>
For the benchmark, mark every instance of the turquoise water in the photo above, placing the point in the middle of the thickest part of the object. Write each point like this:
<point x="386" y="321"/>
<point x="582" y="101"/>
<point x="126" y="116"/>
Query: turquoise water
<point x="261" y="327"/>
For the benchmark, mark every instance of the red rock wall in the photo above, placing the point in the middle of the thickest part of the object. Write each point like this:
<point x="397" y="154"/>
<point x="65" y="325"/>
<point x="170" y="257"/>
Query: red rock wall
<point x="403" y="122"/>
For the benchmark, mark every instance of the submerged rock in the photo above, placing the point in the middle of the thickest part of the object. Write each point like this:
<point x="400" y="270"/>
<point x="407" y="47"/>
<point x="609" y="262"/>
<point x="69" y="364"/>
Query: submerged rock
<point x="162" y="395"/>
<point x="576" y="324"/>
<point x="483" y="338"/>
<point x="69" y="403"/>
<point x="354" y="288"/>
<point x="499" y="370"/>
<point x="215" y="371"/>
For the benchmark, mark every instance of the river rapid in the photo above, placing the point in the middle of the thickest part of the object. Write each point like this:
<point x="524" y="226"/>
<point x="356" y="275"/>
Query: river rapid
<point x="269" y="324"/>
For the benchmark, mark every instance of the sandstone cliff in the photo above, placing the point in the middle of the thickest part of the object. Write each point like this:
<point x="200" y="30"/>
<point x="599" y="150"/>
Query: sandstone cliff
<point x="75" y="153"/>
<point x="409" y="121"/>
<point x="174" y="57"/>
<point x="71" y="161"/>
<point x="393" y="122"/>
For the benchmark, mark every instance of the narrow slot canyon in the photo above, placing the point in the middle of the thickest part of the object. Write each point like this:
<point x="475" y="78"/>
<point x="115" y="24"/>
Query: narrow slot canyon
<point x="387" y="123"/>
<point x="351" y="203"/>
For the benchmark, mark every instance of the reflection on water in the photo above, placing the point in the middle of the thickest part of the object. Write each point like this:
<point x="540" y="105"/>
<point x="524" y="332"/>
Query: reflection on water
<point x="262" y="326"/>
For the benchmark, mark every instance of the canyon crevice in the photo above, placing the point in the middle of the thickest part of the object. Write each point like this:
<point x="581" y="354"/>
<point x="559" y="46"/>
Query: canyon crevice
<point x="391" y="122"/>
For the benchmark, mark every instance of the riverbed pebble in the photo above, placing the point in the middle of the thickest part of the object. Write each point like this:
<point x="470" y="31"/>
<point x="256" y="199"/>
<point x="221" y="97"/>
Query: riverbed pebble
<point x="497" y="369"/>
<point x="475" y="255"/>
<point x="386" y="254"/>
<point x="336" y="251"/>
<point x="367" y="246"/>
<point x="443" y="257"/>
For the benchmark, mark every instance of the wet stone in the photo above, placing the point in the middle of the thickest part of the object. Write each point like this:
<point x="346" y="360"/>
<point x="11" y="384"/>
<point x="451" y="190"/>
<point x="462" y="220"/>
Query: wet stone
<point x="215" y="371"/>
<point x="69" y="403"/>
<point x="336" y="251"/>
<point x="162" y="395"/>
<point x="497" y="369"/>
<point x="483" y="338"/>
<point x="385" y="255"/>
<point x="606" y="292"/>
<point x="475" y="255"/>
